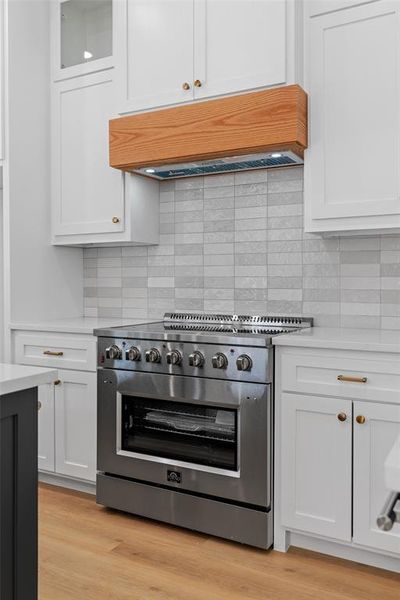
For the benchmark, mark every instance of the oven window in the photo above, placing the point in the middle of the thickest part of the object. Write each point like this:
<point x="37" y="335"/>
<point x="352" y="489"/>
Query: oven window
<point x="180" y="431"/>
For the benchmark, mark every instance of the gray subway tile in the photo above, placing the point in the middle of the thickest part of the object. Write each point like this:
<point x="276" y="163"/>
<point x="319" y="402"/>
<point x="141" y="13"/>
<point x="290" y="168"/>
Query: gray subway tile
<point x="218" y="282"/>
<point x="285" y="173"/>
<point x="360" y="257"/>
<point x="212" y="226"/>
<point x="321" y="295"/>
<point x="251" y="294"/>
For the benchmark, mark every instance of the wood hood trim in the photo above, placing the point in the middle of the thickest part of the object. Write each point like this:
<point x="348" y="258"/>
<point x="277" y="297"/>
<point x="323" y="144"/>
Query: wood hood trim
<point x="273" y="119"/>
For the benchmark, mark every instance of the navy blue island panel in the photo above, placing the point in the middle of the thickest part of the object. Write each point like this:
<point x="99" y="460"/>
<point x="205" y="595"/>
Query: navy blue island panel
<point x="18" y="495"/>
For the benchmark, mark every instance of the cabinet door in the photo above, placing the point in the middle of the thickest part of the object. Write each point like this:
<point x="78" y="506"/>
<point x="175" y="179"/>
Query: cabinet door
<point x="88" y="195"/>
<point x="352" y="167"/>
<point x="46" y="427"/>
<point x="81" y="37"/>
<point x="316" y="465"/>
<point x="154" y="52"/>
<point x="373" y="441"/>
<point x="239" y="45"/>
<point x="75" y="418"/>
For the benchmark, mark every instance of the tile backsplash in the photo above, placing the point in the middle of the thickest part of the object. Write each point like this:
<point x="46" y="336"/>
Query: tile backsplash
<point x="235" y="243"/>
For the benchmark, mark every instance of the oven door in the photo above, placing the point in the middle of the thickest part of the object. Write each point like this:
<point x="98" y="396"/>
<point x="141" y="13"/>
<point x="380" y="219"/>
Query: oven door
<point x="199" y="435"/>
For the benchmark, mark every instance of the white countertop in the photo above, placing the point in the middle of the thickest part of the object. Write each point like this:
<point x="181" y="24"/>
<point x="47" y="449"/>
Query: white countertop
<point x="374" y="340"/>
<point x="14" y="378"/>
<point x="77" y="324"/>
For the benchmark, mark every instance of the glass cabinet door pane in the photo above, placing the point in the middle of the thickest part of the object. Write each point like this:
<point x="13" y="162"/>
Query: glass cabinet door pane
<point x="192" y="433"/>
<point x="86" y="31"/>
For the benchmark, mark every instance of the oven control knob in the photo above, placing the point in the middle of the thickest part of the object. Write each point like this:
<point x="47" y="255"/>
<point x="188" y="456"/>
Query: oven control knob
<point x="133" y="354"/>
<point x="244" y="363"/>
<point x="219" y="361"/>
<point x="196" y="359"/>
<point x="153" y="355"/>
<point x="113" y="352"/>
<point x="174" y="357"/>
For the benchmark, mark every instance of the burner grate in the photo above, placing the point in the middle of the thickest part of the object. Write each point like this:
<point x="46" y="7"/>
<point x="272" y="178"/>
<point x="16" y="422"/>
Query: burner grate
<point x="235" y="323"/>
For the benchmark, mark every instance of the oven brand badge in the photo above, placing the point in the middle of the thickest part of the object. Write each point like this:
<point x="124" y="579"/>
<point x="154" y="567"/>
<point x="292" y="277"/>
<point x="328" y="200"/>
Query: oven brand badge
<point x="174" y="476"/>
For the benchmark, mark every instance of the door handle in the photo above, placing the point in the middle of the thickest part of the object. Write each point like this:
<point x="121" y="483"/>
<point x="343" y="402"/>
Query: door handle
<point x="352" y="378"/>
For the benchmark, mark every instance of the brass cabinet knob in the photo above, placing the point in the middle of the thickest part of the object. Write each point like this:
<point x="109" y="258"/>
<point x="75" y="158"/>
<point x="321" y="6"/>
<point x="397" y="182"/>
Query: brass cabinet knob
<point x="197" y="83"/>
<point x="39" y="405"/>
<point x="185" y="86"/>
<point x="360" y="419"/>
<point x="342" y="416"/>
<point x="116" y="219"/>
<point x="57" y="382"/>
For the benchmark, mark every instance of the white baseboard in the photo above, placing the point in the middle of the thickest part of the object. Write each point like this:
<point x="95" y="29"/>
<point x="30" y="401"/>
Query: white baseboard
<point x="356" y="554"/>
<point x="67" y="482"/>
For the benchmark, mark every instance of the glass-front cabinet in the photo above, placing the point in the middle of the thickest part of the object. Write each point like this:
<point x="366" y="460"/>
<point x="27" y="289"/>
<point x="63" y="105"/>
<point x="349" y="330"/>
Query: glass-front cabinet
<point x="82" y="32"/>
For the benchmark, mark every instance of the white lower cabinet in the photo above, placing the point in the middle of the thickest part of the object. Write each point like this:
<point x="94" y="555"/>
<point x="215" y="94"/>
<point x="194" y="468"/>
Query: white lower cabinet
<point x="75" y="425"/>
<point x="316" y="465"/>
<point x="337" y="419"/>
<point x="67" y="425"/>
<point x="46" y="449"/>
<point x="67" y="414"/>
<point x="373" y="440"/>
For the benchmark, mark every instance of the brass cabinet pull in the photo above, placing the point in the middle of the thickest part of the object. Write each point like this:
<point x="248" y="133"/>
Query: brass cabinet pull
<point x="342" y="416"/>
<point x="53" y="353"/>
<point x="186" y="86"/>
<point x="197" y="83"/>
<point x="39" y="405"/>
<point x="115" y="220"/>
<point x="352" y="378"/>
<point x="57" y="382"/>
<point x="360" y="419"/>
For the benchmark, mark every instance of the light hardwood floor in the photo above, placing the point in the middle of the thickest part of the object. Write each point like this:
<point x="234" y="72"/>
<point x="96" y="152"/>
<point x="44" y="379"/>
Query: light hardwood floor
<point x="91" y="553"/>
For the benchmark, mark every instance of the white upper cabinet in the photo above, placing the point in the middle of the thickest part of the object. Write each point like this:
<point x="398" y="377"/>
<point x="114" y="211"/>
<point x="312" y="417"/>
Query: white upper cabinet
<point x="154" y="52"/>
<point x="92" y="203"/>
<point x="319" y="7"/>
<point x="2" y="31"/>
<point x="88" y="195"/>
<point x="172" y="51"/>
<point x="239" y="45"/>
<point x="352" y="166"/>
<point x="373" y="439"/>
<point x="81" y="37"/>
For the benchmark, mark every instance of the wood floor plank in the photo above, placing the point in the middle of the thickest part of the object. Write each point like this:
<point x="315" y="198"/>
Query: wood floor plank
<point x="91" y="553"/>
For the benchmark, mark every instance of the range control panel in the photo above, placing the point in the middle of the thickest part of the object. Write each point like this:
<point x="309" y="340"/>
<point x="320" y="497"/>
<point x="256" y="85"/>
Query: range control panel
<point x="241" y="363"/>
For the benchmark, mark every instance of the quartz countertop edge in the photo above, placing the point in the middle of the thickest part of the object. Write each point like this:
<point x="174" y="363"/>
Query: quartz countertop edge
<point x="77" y="325"/>
<point x="15" y="378"/>
<point x="371" y="340"/>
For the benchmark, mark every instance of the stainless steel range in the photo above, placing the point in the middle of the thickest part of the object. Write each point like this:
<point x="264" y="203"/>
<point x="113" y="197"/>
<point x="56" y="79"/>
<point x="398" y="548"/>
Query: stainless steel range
<point x="185" y="422"/>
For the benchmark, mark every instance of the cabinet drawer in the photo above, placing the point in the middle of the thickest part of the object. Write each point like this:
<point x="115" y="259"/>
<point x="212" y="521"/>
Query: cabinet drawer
<point x="340" y="375"/>
<point x="54" y="350"/>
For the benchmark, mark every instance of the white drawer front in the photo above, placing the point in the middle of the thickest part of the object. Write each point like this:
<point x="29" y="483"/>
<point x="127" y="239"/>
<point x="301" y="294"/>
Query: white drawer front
<point x="317" y="372"/>
<point x="55" y="350"/>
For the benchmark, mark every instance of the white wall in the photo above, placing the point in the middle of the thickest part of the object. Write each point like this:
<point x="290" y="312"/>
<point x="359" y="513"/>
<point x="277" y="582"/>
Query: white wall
<point x="1" y="280"/>
<point x="43" y="281"/>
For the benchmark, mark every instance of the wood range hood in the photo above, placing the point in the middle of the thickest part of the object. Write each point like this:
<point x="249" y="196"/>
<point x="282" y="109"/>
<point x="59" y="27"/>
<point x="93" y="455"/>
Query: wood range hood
<point x="247" y="131"/>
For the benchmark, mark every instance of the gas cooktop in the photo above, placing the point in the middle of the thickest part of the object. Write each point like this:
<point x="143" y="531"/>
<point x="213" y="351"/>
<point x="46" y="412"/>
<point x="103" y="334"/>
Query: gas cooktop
<point x="211" y="328"/>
